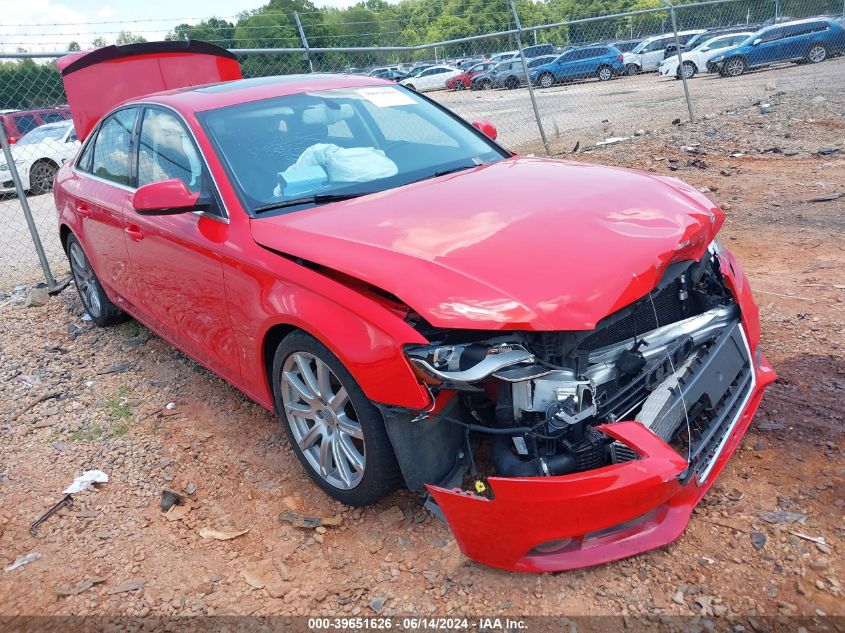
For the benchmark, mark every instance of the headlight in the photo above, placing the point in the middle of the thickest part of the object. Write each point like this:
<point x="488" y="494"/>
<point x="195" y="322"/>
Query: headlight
<point x="460" y="364"/>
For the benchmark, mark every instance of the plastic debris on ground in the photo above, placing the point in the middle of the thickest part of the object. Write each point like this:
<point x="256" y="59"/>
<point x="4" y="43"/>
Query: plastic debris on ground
<point x="86" y="480"/>
<point x="20" y="561"/>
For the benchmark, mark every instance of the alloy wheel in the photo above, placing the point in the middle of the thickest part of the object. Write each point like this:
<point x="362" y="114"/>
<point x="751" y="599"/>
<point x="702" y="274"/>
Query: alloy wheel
<point x="323" y="421"/>
<point x="546" y="81"/>
<point x="735" y="67"/>
<point x="459" y="85"/>
<point x="41" y="177"/>
<point x="605" y="74"/>
<point x="817" y="54"/>
<point x="689" y="70"/>
<point x="86" y="282"/>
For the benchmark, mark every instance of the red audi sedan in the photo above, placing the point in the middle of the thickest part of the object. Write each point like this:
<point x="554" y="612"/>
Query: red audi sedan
<point x="559" y="357"/>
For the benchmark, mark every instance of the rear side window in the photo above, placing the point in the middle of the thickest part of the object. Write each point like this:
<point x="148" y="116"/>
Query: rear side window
<point x="111" y="148"/>
<point x="166" y="150"/>
<point x="24" y="123"/>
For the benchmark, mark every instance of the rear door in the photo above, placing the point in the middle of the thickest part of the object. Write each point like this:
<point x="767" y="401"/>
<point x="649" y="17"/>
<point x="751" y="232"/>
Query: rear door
<point x="175" y="258"/>
<point x="654" y="54"/>
<point x="769" y="49"/>
<point x="100" y="188"/>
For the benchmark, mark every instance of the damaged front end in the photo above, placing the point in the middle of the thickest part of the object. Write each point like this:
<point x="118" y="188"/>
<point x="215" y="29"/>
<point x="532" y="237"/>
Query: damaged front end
<point x="528" y="449"/>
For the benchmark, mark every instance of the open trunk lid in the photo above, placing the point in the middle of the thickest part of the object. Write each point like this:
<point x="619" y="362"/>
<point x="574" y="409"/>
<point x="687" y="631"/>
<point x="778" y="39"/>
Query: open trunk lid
<point x="98" y="80"/>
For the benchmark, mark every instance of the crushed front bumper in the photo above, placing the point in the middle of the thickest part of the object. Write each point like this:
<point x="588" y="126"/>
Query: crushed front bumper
<point x="542" y="524"/>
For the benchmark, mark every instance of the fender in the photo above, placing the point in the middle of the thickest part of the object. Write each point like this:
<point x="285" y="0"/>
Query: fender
<point x="272" y="295"/>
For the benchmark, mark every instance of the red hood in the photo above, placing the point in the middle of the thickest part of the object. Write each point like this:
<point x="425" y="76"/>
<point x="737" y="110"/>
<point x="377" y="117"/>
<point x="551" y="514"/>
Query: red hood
<point x="525" y="243"/>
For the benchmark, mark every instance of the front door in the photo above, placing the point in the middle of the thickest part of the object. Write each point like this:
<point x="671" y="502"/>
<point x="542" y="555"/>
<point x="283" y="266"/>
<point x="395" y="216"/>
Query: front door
<point x="175" y="258"/>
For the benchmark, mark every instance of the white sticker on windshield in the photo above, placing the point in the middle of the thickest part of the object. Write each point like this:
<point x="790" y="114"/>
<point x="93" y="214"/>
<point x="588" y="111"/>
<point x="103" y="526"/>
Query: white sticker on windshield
<point x="385" y="97"/>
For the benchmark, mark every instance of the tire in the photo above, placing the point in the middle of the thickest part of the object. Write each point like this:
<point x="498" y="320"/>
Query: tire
<point x="632" y="69"/>
<point x="459" y="85"/>
<point x="41" y="176"/>
<point x="349" y="425"/>
<point x="102" y="311"/>
<point x="604" y="73"/>
<point x="734" y="67"/>
<point x="690" y="69"/>
<point x="485" y="84"/>
<point x="546" y="80"/>
<point x="511" y="83"/>
<point x="816" y="54"/>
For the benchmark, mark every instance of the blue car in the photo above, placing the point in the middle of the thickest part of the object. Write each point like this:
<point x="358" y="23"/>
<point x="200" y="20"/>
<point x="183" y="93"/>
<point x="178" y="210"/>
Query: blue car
<point x="601" y="61"/>
<point x="809" y="41"/>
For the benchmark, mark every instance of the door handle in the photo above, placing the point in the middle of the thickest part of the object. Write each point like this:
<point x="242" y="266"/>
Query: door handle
<point x="83" y="210"/>
<point x="134" y="233"/>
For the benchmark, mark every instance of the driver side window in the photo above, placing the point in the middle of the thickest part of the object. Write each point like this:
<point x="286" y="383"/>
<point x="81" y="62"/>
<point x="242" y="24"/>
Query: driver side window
<point x="166" y="150"/>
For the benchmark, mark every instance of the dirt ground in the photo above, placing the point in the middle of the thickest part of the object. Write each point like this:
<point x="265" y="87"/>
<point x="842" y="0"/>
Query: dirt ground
<point x="108" y="406"/>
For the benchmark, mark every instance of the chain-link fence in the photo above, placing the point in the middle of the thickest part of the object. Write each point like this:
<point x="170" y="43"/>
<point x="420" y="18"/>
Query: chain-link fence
<point x="589" y="80"/>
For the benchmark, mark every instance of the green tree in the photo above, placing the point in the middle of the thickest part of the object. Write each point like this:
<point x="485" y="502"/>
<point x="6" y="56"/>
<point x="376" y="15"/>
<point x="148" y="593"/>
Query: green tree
<point x="125" y="37"/>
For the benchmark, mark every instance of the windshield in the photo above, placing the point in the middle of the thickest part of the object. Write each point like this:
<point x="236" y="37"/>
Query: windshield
<point x="42" y="133"/>
<point x="315" y="146"/>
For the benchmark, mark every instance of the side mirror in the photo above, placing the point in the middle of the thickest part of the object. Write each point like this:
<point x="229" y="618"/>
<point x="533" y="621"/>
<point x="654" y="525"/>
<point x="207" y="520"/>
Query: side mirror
<point x="166" y="197"/>
<point x="755" y="42"/>
<point x="487" y="128"/>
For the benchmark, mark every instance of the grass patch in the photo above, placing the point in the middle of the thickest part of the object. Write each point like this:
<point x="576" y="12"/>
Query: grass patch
<point x="132" y="329"/>
<point x="118" y="416"/>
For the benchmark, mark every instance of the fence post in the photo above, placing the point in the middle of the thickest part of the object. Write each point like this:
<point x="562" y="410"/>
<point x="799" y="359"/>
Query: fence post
<point x="304" y="40"/>
<point x="528" y="77"/>
<point x="680" y="57"/>
<point x="27" y="212"/>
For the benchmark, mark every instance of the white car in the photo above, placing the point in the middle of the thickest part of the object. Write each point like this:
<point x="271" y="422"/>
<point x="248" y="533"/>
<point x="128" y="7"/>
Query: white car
<point x="695" y="60"/>
<point x="38" y="155"/>
<point x="432" y="78"/>
<point x="647" y="55"/>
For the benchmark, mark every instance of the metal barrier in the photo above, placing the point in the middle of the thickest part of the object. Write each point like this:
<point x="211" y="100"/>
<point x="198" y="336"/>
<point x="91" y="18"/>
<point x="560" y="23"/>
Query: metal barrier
<point x="587" y="83"/>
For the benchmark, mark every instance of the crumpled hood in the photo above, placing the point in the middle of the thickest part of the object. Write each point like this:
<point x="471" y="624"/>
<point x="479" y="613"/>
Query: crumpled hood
<point x="525" y="243"/>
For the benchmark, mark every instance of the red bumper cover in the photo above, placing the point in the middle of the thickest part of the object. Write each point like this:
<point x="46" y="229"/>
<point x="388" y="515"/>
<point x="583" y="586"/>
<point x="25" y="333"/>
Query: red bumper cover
<point x="541" y="524"/>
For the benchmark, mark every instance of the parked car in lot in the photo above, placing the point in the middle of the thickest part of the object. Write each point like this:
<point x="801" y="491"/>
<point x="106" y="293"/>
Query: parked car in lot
<point x="464" y="80"/>
<point x="16" y="123"/>
<point x="695" y="60"/>
<point x="38" y="155"/>
<point x="508" y="74"/>
<point x="809" y="41"/>
<point x="386" y="73"/>
<point x="647" y="55"/>
<point x="538" y="50"/>
<point x="602" y="62"/>
<point x="373" y="270"/>
<point x="500" y="57"/>
<point x="432" y="78"/>
<point x="697" y="40"/>
<point x="623" y="46"/>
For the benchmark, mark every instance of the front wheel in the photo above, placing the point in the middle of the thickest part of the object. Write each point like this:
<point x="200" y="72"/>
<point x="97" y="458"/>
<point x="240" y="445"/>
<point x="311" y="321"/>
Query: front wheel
<point x="632" y="69"/>
<point x="335" y="431"/>
<point x="511" y="83"/>
<point x="605" y="73"/>
<point x="546" y="80"/>
<point x="459" y="85"/>
<point x="734" y="67"/>
<point x="102" y="311"/>
<point x="817" y="53"/>
<point x="689" y="70"/>
<point x="485" y="84"/>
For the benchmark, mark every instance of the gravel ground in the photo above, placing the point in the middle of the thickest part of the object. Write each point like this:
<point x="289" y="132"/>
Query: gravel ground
<point x="74" y="397"/>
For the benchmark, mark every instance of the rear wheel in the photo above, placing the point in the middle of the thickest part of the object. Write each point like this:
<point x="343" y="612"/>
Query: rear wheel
<point x="734" y="67"/>
<point x="632" y="69"/>
<point x="605" y="73"/>
<point x="335" y="431"/>
<point x="41" y="176"/>
<point x="485" y="84"/>
<point x="546" y="80"/>
<point x="102" y="311"/>
<point x="817" y="53"/>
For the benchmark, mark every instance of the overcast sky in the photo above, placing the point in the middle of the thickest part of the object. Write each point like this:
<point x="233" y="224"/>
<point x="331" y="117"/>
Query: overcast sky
<point x="48" y="25"/>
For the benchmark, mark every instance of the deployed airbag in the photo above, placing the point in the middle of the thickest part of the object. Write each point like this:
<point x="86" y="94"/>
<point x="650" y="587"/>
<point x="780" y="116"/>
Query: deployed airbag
<point x="326" y="161"/>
